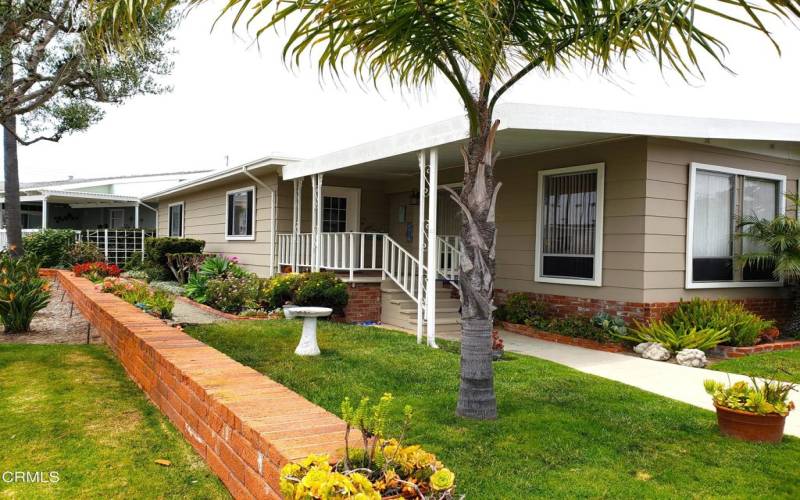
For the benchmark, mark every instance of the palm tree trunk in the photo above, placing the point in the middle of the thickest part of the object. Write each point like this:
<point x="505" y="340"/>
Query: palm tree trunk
<point x="476" y="398"/>
<point x="11" y="166"/>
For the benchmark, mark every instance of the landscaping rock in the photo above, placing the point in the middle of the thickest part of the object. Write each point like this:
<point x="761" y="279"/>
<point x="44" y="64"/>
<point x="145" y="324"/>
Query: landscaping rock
<point x="691" y="357"/>
<point x="656" y="352"/>
<point x="640" y="348"/>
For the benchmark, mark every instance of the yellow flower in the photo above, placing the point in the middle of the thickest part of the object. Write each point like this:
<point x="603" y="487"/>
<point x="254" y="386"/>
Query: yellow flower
<point x="319" y="461"/>
<point x="442" y="479"/>
<point x="315" y="482"/>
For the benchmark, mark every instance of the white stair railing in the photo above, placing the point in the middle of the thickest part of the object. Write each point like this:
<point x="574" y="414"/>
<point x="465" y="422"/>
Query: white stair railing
<point x="402" y="268"/>
<point x="449" y="249"/>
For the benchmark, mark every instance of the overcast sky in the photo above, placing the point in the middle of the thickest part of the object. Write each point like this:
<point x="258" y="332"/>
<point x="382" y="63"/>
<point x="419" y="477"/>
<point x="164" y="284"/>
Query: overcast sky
<point x="232" y="99"/>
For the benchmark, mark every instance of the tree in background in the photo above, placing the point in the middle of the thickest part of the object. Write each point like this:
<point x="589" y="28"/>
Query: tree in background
<point x="53" y="76"/>
<point x="482" y="48"/>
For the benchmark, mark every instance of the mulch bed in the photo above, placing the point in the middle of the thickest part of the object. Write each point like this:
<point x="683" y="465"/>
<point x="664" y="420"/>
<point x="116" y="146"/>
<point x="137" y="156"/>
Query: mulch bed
<point x="58" y="323"/>
<point x="529" y="331"/>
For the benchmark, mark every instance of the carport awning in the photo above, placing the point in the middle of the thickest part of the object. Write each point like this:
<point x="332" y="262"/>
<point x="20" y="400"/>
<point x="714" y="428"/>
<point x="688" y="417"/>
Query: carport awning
<point x="80" y="199"/>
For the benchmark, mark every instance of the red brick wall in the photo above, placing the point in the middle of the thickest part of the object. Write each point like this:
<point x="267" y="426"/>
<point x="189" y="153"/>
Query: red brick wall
<point x="243" y="424"/>
<point x="364" y="303"/>
<point x="561" y="306"/>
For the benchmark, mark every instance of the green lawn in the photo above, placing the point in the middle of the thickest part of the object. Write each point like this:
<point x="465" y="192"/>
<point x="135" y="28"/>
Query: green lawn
<point x="72" y="410"/>
<point x="767" y="365"/>
<point x="561" y="433"/>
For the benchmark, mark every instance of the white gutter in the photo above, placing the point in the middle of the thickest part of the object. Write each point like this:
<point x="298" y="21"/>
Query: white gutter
<point x="273" y="229"/>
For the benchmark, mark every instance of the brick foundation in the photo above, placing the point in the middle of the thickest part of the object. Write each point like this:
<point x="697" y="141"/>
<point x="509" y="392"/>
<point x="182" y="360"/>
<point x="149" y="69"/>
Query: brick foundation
<point x="561" y="306"/>
<point x="364" y="303"/>
<point x="243" y="424"/>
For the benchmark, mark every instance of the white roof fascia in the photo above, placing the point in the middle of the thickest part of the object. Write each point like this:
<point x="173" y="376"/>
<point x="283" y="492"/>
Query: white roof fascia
<point x="550" y="118"/>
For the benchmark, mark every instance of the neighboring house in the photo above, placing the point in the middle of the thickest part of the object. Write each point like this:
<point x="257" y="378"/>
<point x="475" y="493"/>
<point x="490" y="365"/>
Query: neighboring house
<point x="599" y="210"/>
<point x="98" y="203"/>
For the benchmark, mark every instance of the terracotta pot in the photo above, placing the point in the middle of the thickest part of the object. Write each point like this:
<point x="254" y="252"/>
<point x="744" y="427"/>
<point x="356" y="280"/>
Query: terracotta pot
<point x="750" y="426"/>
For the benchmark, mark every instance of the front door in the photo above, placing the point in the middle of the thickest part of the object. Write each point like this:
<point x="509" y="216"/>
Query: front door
<point x="340" y="209"/>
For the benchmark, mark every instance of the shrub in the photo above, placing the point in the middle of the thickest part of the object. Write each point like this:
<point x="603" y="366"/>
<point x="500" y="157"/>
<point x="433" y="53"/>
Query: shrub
<point x="156" y="250"/>
<point x="22" y="292"/>
<point x="96" y="271"/>
<point x="83" y="251"/>
<point x="322" y="290"/>
<point x="520" y="308"/>
<point x="160" y="304"/>
<point x="184" y="264"/>
<point x="232" y="293"/>
<point x="743" y="326"/>
<point x="49" y="246"/>
<point x="770" y="397"/>
<point x="280" y="290"/>
<point x="674" y="339"/>
<point x="134" y="262"/>
<point x="574" y="326"/>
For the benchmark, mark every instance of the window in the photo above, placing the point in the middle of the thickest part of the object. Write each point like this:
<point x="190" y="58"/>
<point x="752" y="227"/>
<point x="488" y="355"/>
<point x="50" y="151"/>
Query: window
<point x="116" y="218"/>
<point x="176" y="220"/>
<point x="334" y="214"/>
<point x="569" y="225"/>
<point x="718" y="197"/>
<point x="240" y="214"/>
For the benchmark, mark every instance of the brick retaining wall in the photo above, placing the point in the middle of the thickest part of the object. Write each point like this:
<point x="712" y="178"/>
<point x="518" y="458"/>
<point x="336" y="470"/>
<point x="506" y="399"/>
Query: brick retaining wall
<point x="243" y="424"/>
<point x="728" y="351"/>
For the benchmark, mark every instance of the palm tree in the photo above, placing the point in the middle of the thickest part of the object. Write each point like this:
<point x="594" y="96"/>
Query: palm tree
<point x="482" y="48"/>
<point x="778" y="248"/>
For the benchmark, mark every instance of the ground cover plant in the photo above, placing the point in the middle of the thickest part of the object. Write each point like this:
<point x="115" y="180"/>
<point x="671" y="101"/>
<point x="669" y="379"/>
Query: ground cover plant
<point x="780" y="365"/>
<point x="72" y="410"/>
<point x="155" y="302"/>
<point x="560" y="433"/>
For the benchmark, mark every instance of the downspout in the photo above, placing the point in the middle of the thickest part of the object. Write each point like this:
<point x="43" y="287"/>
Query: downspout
<point x="273" y="216"/>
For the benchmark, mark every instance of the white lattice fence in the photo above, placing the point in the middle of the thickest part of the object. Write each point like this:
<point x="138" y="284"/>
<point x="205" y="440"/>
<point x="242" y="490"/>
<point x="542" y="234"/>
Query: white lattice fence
<point x="118" y="244"/>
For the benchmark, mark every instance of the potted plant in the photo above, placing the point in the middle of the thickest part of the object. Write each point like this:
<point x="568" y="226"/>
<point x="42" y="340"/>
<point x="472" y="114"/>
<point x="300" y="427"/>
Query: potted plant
<point x="498" y="347"/>
<point x="751" y="411"/>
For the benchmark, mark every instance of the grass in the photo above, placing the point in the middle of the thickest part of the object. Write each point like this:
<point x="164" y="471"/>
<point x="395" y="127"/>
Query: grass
<point x="72" y="410"/>
<point x="561" y="433"/>
<point x="767" y="365"/>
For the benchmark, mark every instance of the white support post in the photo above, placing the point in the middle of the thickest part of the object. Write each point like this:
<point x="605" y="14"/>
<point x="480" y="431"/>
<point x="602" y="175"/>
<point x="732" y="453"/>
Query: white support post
<point x="296" y="215"/>
<point x="136" y="217"/>
<point x="316" y="221"/>
<point x="430" y="300"/>
<point x="44" y="212"/>
<point x="318" y="237"/>
<point x="142" y="246"/>
<point x="421" y="247"/>
<point x="105" y="245"/>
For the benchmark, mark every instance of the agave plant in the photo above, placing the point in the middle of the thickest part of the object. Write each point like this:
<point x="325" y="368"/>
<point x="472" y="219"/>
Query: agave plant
<point x="778" y="243"/>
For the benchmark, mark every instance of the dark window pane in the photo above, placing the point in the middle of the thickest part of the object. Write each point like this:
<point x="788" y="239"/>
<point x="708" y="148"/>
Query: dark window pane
<point x="712" y="269"/>
<point x="568" y="267"/>
<point x="758" y="272"/>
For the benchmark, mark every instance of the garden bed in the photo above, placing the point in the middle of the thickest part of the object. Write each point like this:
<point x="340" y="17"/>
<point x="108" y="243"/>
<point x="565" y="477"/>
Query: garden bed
<point x="530" y="331"/>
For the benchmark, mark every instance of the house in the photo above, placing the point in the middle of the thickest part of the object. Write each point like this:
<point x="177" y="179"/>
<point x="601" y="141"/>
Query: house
<point x="599" y="210"/>
<point x="95" y="203"/>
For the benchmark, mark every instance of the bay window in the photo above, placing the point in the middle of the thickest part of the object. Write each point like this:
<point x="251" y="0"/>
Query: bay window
<point x="569" y="225"/>
<point x="718" y="198"/>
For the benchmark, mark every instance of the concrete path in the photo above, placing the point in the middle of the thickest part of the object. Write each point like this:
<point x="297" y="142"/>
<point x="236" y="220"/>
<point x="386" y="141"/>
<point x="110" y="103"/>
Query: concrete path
<point x="666" y="379"/>
<point x="187" y="314"/>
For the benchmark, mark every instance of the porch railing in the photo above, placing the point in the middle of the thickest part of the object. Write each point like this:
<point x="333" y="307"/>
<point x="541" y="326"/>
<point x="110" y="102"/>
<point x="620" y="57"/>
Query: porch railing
<point x="402" y="268"/>
<point x="449" y="249"/>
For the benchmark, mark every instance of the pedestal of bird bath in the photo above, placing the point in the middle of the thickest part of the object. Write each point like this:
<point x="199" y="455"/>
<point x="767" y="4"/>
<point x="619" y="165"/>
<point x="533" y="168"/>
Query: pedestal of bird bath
<point x="308" y="341"/>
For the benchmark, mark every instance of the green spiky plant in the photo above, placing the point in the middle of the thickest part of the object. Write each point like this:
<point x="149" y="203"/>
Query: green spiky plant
<point x="22" y="292"/>
<point x="778" y="240"/>
<point x="482" y="48"/>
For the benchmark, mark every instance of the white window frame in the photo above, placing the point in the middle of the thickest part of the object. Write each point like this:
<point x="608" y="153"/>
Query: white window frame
<point x="597" y="280"/>
<point x="252" y="236"/>
<point x="693" y="168"/>
<point x="183" y="219"/>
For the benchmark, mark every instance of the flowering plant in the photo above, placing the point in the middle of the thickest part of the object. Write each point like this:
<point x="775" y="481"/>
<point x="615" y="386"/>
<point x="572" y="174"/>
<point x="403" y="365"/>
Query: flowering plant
<point x="497" y="341"/>
<point x="96" y="271"/>
<point x="158" y="303"/>
<point x="381" y="468"/>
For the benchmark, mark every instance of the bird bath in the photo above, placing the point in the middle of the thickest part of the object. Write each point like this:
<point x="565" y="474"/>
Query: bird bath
<point x="308" y="341"/>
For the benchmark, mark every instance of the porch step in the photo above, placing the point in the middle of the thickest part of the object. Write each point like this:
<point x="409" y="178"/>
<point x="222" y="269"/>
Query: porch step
<point x="398" y="309"/>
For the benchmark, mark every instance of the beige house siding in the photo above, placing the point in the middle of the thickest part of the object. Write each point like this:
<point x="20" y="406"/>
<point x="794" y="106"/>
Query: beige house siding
<point x="668" y="164"/>
<point x="624" y="219"/>
<point x="204" y="219"/>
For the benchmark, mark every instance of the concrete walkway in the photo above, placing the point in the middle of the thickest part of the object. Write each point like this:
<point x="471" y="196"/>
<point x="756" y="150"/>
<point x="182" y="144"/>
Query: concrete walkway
<point x="187" y="314"/>
<point x="666" y="379"/>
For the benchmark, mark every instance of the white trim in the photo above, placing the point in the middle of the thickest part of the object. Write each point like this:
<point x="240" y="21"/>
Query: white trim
<point x="597" y="280"/>
<point x="251" y="236"/>
<point x="183" y="219"/>
<point x="693" y="168"/>
<point x="353" y="195"/>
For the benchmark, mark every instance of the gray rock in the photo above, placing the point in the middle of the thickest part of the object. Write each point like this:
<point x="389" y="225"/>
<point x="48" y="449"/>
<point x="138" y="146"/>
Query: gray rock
<point x="656" y="352"/>
<point x="691" y="357"/>
<point x="640" y="348"/>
